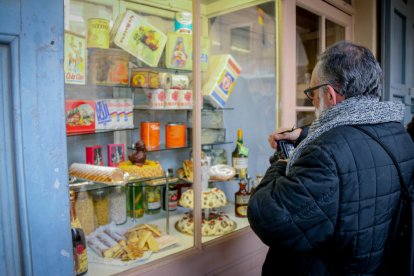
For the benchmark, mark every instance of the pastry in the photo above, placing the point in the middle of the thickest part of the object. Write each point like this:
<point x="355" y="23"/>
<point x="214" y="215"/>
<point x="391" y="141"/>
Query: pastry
<point x="212" y="198"/>
<point x="217" y="224"/>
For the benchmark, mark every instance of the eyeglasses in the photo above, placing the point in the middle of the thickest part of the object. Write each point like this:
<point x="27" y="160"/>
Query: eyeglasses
<point x="310" y="91"/>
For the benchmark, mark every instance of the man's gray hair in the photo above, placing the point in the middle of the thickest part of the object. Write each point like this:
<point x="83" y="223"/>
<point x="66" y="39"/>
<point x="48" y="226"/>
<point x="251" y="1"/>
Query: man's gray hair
<point x="352" y="70"/>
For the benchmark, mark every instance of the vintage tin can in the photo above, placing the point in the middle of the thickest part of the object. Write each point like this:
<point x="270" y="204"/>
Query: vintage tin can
<point x="165" y="80"/>
<point x="155" y="98"/>
<point x="135" y="200"/>
<point x="108" y="67"/>
<point x="185" y="99"/>
<point x="183" y="22"/>
<point x="175" y="135"/>
<point x="144" y="78"/>
<point x="179" y="82"/>
<point x="98" y="33"/>
<point x="150" y="134"/>
<point x="171" y="98"/>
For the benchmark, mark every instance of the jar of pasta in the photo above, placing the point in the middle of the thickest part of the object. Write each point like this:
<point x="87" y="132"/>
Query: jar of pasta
<point x="117" y="205"/>
<point x="101" y="206"/>
<point x="84" y="211"/>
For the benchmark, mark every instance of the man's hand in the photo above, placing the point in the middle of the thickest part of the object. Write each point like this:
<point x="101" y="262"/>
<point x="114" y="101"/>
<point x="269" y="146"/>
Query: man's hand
<point x="283" y="134"/>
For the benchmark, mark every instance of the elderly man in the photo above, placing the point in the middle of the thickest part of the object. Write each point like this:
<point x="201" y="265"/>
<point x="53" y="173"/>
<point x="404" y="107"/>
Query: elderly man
<point x="327" y="211"/>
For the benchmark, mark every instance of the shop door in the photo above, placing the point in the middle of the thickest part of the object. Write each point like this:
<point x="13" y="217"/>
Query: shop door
<point x="398" y="53"/>
<point x="34" y="214"/>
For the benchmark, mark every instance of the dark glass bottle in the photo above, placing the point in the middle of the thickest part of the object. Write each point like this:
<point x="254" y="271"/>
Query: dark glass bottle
<point x="78" y="240"/>
<point x="242" y="199"/>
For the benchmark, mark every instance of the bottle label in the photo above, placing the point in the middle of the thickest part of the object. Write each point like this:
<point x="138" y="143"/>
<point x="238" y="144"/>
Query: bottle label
<point x="241" y="211"/>
<point x="81" y="259"/>
<point x="242" y="199"/>
<point x="240" y="163"/>
<point x="154" y="205"/>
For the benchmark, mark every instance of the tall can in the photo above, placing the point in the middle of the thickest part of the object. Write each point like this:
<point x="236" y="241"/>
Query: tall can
<point x="98" y="33"/>
<point x="150" y="134"/>
<point x="175" y="135"/>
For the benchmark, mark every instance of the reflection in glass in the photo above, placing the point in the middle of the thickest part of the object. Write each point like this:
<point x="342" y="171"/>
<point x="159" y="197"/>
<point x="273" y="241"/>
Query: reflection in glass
<point x="305" y="118"/>
<point x="307" y="49"/>
<point x="334" y="33"/>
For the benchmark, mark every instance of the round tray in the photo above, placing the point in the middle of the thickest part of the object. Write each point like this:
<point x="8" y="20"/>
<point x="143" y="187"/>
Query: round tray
<point x="232" y="229"/>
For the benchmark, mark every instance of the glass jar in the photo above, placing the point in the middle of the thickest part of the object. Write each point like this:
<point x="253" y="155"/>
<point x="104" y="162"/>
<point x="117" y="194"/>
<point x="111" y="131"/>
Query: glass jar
<point x="101" y="206"/>
<point x="117" y="205"/>
<point x="135" y="200"/>
<point x="84" y="211"/>
<point x="152" y="200"/>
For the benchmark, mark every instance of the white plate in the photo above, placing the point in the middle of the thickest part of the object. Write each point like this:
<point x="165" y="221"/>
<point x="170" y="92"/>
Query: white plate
<point x="95" y="258"/>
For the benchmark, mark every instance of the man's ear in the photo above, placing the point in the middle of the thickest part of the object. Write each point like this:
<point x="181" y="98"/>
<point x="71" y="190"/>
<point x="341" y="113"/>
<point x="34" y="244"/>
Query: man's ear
<point x="333" y="97"/>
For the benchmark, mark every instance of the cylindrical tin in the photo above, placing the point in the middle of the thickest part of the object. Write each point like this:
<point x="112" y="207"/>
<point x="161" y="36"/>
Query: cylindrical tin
<point x="98" y="33"/>
<point x="183" y="22"/>
<point x="144" y="78"/>
<point x="150" y="134"/>
<point x="179" y="82"/>
<point x="185" y="99"/>
<point x="165" y="80"/>
<point x="155" y="98"/>
<point x="175" y="135"/>
<point x="171" y="98"/>
<point x="108" y="67"/>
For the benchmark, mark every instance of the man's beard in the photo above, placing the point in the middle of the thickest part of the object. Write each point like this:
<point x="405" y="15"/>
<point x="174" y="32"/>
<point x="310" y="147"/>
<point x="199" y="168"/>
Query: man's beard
<point x="322" y="104"/>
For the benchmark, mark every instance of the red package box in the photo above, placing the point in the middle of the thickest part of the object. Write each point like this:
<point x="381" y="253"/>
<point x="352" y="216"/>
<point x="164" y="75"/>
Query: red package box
<point x="80" y="116"/>
<point x="116" y="154"/>
<point x="94" y="155"/>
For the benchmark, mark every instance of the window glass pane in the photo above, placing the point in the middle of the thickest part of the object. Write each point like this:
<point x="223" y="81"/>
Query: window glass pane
<point x="305" y="118"/>
<point x="307" y="49"/>
<point x="334" y="33"/>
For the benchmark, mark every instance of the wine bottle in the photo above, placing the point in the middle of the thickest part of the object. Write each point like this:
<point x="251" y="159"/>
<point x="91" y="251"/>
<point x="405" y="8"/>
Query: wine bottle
<point x="239" y="156"/>
<point x="78" y="240"/>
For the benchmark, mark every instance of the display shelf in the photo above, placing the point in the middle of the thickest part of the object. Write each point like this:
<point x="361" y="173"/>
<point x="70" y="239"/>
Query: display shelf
<point x="184" y="241"/>
<point x="100" y="131"/>
<point x="146" y="108"/>
<point x="162" y="147"/>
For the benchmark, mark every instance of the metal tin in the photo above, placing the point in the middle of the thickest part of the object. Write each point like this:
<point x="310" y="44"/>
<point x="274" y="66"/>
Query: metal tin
<point x="185" y="99"/>
<point x="179" y="82"/>
<point x="108" y="67"/>
<point x="171" y="98"/>
<point x="175" y="135"/>
<point x="155" y="98"/>
<point x="183" y="22"/>
<point x="165" y="80"/>
<point x="98" y="33"/>
<point x="145" y="78"/>
<point x="150" y="134"/>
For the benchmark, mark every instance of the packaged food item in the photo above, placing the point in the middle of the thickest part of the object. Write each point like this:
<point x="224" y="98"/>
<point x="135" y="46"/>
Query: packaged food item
<point x="98" y="33"/>
<point x="80" y="116"/>
<point x="116" y="154"/>
<point x="150" y="134"/>
<point x="94" y="155"/>
<point x="155" y="98"/>
<point x="84" y="210"/>
<point x="165" y="80"/>
<point x="75" y="58"/>
<point x="101" y="206"/>
<point x="175" y="135"/>
<point x="185" y="99"/>
<point x="152" y="200"/>
<point x="108" y="67"/>
<point x="183" y="22"/>
<point x="144" y="78"/>
<point x="222" y="75"/>
<point x="178" y="51"/>
<point x="138" y="37"/>
<point x="102" y="115"/>
<point x="171" y="98"/>
<point x="117" y="205"/>
<point x="101" y="174"/>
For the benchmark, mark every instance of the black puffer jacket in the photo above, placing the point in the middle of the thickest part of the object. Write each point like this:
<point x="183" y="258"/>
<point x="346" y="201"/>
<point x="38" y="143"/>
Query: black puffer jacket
<point x="331" y="214"/>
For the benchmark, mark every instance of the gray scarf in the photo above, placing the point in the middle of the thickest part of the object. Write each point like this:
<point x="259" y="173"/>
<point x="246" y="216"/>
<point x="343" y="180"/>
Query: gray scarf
<point x="360" y="110"/>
